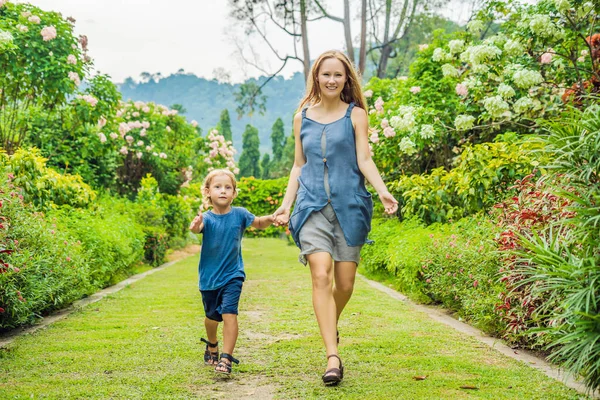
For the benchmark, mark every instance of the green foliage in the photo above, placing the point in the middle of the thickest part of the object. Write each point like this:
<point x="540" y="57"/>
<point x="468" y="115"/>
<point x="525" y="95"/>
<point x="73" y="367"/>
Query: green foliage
<point x="265" y="166"/>
<point x="453" y="264"/>
<point x="44" y="186"/>
<point x="482" y="177"/>
<point x="225" y="125"/>
<point x="277" y="140"/>
<point x="564" y="267"/>
<point x="261" y="197"/>
<point x="250" y="159"/>
<point x="249" y="98"/>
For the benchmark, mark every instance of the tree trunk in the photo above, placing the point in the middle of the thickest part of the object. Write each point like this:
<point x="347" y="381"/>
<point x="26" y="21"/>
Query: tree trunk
<point x="304" y="32"/>
<point x="347" y="32"/>
<point x="386" y="49"/>
<point x="362" y="57"/>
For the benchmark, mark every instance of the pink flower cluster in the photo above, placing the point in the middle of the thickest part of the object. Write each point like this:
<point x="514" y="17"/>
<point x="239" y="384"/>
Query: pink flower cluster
<point x="462" y="90"/>
<point x="218" y="146"/>
<point x="91" y="100"/>
<point x="75" y="78"/>
<point x="48" y="33"/>
<point x="379" y="105"/>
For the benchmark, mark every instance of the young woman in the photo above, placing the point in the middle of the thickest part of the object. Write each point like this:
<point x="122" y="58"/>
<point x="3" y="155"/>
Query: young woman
<point x="333" y="209"/>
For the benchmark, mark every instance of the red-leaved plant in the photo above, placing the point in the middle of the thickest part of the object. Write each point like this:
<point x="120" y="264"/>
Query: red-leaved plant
<point x="535" y="210"/>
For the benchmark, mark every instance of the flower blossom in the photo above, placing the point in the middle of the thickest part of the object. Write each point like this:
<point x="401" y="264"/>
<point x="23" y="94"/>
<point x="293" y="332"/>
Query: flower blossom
<point x="384" y="123"/>
<point x="495" y="106"/>
<point x="389" y="132"/>
<point x="506" y="91"/>
<point x="75" y="78"/>
<point x="123" y="150"/>
<point x="379" y="105"/>
<point x="71" y="59"/>
<point x="525" y="78"/>
<point x="462" y="90"/>
<point x="138" y="154"/>
<point x="523" y="105"/>
<point x="91" y="100"/>
<point x="101" y="122"/>
<point x="407" y="146"/>
<point x="162" y="155"/>
<point x="427" y="131"/>
<point x="450" y="70"/>
<point x="22" y="28"/>
<point x="129" y="139"/>
<point x="368" y="93"/>
<point x="34" y="19"/>
<point x="475" y="26"/>
<point x="374" y="137"/>
<point x="423" y="47"/>
<point x="456" y="46"/>
<point x="102" y="137"/>
<point x="464" y="122"/>
<point x="415" y="89"/>
<point x="48" y="33"/>
<point x="113" y="135"/>
<point x="546" y="58"/>
<point x="194" y="123"/>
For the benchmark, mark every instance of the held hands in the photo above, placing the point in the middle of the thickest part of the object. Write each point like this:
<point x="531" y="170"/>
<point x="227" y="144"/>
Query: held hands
<point x="389" y="202"/>
<point x="196" y="224"/>
<point x="281" y="216"/>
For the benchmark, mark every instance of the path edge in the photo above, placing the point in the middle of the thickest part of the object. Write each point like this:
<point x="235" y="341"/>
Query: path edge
<point x="10" y="336"/>
<point x="527" y="357"/>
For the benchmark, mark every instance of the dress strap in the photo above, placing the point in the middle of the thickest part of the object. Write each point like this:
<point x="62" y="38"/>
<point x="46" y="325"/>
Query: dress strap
<point x="349" y="111"/>
<point x="304" y="112"/>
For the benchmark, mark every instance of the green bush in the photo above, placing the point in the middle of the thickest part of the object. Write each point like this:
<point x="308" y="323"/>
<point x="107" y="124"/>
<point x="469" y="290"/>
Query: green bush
<point x="43" y="186"/>
<point x="112" y="242"/>
<point x="261" y="197"/>
<point x="482" y="177"/>
<point x="450" y="264"/>
<point x="42" y="268"/>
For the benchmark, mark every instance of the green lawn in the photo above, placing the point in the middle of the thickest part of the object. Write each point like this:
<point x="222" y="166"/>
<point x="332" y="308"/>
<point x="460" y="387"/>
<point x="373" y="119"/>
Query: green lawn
<point x="143" y="343"/>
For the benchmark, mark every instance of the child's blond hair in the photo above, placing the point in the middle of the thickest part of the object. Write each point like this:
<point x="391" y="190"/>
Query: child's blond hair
<point x="206" y="201"/>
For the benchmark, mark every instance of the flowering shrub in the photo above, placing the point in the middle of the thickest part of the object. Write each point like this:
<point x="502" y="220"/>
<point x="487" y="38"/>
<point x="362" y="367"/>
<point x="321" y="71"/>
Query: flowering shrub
<point x="42" y="63"/>
<point x="465" y="89"/>
<point x="481" y="178"/>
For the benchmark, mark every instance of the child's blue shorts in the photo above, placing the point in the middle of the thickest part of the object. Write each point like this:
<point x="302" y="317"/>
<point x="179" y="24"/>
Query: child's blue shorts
<point x="223" y="300"/>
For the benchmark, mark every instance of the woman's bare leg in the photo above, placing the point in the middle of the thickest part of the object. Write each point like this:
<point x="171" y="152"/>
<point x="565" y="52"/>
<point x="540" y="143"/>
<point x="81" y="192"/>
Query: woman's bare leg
<point x="321" y="269"/>
<point x="344" y="277"/>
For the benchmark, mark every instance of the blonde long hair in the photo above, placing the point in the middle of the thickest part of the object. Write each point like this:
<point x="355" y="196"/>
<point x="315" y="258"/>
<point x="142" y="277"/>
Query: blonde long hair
<point x="352" y="91"/>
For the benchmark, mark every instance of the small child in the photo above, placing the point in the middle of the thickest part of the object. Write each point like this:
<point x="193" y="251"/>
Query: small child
<point x="221" y="268"/>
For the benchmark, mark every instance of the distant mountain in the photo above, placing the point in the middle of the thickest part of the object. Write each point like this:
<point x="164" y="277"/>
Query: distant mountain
<point x="205" y="99"/>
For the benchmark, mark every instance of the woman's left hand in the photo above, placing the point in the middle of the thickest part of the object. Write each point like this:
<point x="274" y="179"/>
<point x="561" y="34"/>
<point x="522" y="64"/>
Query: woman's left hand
<point x="389" y="202"/>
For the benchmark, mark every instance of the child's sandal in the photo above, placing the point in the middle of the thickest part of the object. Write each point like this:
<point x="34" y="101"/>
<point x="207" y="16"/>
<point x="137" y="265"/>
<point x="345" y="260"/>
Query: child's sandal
<point x="210" y="357"/>
<point x="224" y="364"/>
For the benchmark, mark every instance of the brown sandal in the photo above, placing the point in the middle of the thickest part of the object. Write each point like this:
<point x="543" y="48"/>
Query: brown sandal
<point x="333" y="376"/>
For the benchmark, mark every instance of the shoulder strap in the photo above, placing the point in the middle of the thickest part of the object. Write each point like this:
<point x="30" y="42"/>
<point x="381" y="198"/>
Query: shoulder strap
<point x="304" y="112"/>
<point x="350" y="107"/>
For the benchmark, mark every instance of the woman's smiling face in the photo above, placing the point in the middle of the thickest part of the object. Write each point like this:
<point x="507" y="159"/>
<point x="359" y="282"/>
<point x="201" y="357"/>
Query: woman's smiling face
<point x="332" y="77"/>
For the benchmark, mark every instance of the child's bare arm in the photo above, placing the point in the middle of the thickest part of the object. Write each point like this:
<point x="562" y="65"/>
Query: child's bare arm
<point x="263" y="222"/>
<point x="197" y="224"/>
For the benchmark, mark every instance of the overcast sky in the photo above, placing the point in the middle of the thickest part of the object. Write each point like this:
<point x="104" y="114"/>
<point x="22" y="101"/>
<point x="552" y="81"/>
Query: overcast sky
<point x="128" y="37"/>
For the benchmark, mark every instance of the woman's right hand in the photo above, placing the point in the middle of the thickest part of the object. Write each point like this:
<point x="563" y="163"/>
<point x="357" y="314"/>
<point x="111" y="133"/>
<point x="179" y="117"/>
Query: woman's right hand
<point x="281" y="216"/>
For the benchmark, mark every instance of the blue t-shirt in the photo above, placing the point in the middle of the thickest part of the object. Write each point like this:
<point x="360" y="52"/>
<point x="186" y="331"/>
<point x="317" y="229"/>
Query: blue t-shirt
<point x="221" y="254"/>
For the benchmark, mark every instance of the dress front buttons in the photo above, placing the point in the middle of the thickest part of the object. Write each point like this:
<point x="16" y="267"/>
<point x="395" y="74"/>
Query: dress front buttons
<point x="324" y="160"/>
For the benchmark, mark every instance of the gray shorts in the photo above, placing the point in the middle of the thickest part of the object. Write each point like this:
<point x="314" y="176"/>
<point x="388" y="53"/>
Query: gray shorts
<point x="322" y="233"/>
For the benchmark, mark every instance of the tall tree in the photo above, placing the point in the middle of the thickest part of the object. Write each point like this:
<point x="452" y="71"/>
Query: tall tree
<point x="250" y="158"/>
<point x="224" y="126"/>
<point x="262" y="17"/>
<point x="277" y="140"/>
<point x="265" y="165"/>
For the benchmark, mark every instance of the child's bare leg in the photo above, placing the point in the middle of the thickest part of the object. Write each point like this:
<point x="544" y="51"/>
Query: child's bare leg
<point x="344" y="277"/>
<point x="211" y="333"/>
<point x="230" y="335"/>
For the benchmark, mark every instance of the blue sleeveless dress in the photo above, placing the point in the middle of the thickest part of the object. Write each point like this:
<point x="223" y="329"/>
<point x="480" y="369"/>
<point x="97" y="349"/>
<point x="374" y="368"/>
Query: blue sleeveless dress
<point x="332" y="177"/>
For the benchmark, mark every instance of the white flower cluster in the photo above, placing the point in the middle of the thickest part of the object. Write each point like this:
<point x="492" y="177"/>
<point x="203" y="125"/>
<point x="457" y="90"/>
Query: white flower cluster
<point x="542" y="25"/>
<point x="495" y="106"/>
<point x="525" y="78"/>
<point x="480" y="68"/>
<point x="6" y="40"/>
<point x="407" y="146"/>
<point x="496" y="40"/>
<point x="472" y="82"/>
<point x="475" y="26"/>
<point x="439" y="55"/>
<point x="506" y="91"/>
<point x="456" y="46"/>
<point x="513" y="48"/>
<point x="464" y="122"/>
<point x="523" y="105"/>
<point x="450" y="70"/>
<point x="480" y="54"/>
<point x="562" y="5"/>
<point x="405" y="120"/>
<point x="427" y="131"/>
